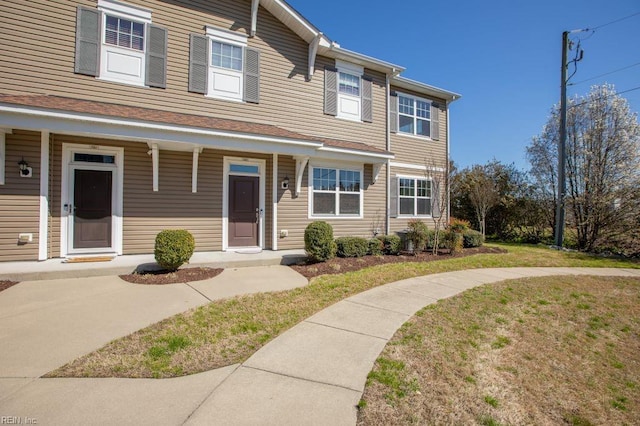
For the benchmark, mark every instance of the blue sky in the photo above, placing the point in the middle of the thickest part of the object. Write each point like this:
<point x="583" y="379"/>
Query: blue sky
<point x="502" y="56"/>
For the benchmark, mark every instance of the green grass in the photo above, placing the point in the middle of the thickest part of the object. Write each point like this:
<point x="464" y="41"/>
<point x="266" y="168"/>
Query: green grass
<point x="228" y="331"/>
<point x="561" y="364"/>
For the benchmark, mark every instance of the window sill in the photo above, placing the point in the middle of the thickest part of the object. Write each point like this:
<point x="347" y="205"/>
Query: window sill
<point x="414" y="217"/>
<point x="128" y="83"/>
<point x="409" y="135"/>
<point x="338" y="217"/>
<point x="224" y="98"/>
<point x="354" y="120"/>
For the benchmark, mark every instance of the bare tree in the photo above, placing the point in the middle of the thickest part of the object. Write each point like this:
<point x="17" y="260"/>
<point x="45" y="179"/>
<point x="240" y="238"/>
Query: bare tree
<point x="481" y="189"/>
<point x="603" y="159"/>
<point x="438" y="174"/>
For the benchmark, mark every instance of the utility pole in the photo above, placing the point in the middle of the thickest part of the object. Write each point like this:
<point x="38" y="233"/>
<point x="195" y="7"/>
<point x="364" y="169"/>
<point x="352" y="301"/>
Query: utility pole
<point x="562" y="150"/>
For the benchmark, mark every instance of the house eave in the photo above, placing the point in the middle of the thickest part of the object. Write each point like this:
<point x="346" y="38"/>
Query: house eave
<point x="416" y="86"/>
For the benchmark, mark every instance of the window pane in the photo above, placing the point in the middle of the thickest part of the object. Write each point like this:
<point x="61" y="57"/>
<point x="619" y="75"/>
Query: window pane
<point x="424" y="206"/>
<point x="406" y="187"/>
<point x="349" y="181"/>
<point x="423" y="109"/>
<point x="423" y="188"/>
<point x="124" y="40"/>
<point x="112" y="23"/>
<point x="324" y="179"/>
<point x="349" y="203"/>
<point x="424" y="127"/>
<point x="349" y="84"/>
<point x="406" y="206"/>
<point x="324" y="203"/>
<point x="94" y="158"/>
<point x="111" y="37"/>
<point x="125" y="26"/>
<point x="137" y="43"/>
<point x="226" y="56"/>
<point x="405" y="105"/>
<point x="406" y="124"/>
<point x="243" y="168"/>
<point x="138" y="29"/>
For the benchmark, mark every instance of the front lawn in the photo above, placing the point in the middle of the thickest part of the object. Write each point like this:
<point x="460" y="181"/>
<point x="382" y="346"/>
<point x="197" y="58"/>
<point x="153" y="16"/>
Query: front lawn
<point x="227" y="332"/>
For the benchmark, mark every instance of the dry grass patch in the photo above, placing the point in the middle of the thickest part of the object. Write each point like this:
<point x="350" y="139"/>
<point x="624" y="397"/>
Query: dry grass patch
<point x="559" y="350"/>
<point x="229" y="331"/>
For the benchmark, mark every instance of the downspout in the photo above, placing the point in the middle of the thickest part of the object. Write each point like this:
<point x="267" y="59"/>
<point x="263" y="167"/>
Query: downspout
<point x="388" y="147"/>
<point x="447" y="167"/>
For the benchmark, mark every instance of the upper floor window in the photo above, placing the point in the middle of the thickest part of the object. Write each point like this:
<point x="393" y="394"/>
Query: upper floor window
<point x="349" y="84"/>
<point x="226" y="56"/>
<point x="348" y="93"/>
<point x="335" y="192"/>
<point x="124" y="33"/>
<point x="221" y="65"/>
<point x="117" y="42"/>
<point x="414" y="116"/>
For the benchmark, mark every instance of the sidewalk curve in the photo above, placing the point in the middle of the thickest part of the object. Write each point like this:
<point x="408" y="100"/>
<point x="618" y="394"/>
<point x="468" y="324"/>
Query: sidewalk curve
<point x="313" y="374"/>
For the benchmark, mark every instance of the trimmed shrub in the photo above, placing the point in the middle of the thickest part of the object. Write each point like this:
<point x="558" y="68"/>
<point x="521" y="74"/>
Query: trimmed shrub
<point x="376" y="247"/>
<point x="318" y="241"/>
<point x="454" y="241"/>
<point x="431" y="239"/>
<point x="418" y="233"/>
<point x="392" y="244"/>
<point x="472" y="238"/>
<point x="352" y="246"/>
<point x="173" y="248"/>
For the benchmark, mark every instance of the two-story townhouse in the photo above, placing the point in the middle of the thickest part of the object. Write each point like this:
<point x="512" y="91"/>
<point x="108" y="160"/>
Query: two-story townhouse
<point x="237" y="120"/>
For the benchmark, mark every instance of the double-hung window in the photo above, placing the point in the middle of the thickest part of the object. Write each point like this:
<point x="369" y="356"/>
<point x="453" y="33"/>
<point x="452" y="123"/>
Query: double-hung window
<point x="336" y="192"/>
<point x="117" y="42"/>
<point x="414" y="196"/>
<point x="223" y="66"/>
<point x="414" y="115"/>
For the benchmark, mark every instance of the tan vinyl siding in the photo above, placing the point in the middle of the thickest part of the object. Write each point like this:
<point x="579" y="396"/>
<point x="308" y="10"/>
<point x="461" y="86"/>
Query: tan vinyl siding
<point x="400" y="224"/>
<point x="293" y="213"/>
<point x="174" y="206"/>
<point x="418" y="150"/>
<point x="38" y="40"/>
<point x="20" y="197"/>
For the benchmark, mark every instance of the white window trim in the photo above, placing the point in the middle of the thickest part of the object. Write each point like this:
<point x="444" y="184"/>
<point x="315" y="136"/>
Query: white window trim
<point x="415" y="125"/>
<point x="356" y="71"/>
<point x="226" y="37"/>
<point x="131" y="13"/>
<point x="117" y="195"/>
<point x="262" y="169"/>
<point x="415" y="197"/>
<point x="337" y="167"/>
<point x="123" y="10"/>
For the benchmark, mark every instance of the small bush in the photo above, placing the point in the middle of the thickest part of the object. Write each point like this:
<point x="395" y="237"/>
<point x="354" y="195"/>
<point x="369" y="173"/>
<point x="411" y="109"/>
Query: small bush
<point x="352" y="246"/>
<point x="318" y="241"/>
<point x="459" y="225"/>
<point x="376" y="247"/>
<point x="173" y="248"/>
<point x="472" y="238"/>
<point x="418" y="234"/>
<point x="392" y="244"/>
<point x="431" y="239"/>
<point x="454" y="241"/>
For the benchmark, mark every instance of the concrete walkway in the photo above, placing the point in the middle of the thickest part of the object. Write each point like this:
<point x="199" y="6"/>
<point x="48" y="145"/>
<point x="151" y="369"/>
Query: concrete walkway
<point x="312" y="374"/>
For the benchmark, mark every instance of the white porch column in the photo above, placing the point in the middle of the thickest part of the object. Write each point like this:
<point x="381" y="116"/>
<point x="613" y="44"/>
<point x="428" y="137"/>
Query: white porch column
<point x="153" y="152"/>
<point x="43" y="235"/>
<point x="274" y="233"/>
<point x="2" y="155"/>
<point x="194" y="169"/>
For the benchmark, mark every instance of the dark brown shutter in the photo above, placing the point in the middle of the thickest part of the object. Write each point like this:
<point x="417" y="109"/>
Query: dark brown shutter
<point x="198" y="63"/>
<point x="330" y="91"/>
<point x="435" y="122"/>
<point x="367" y="101"/>
<point x="156" y="73"/>
<point x="393" y="112"/>
<point x="88" y="23"/>
<point x="393" y="197"/>
<point x="251" y="75"/>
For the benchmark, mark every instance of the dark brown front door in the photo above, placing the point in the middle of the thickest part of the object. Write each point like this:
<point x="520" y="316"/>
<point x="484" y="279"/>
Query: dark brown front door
<point x="243" y="211"/>
<point x="92" y="209"/>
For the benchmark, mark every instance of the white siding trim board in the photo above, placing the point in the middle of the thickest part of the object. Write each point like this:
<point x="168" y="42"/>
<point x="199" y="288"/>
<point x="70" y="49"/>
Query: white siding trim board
<point x="43" y="235"/>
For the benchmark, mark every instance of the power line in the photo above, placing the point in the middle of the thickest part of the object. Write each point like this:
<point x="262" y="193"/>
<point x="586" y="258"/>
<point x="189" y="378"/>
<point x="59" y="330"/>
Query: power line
<point x="605" y="74"/>
<point x="614" y="22"/>
<point x="606" y="97"/>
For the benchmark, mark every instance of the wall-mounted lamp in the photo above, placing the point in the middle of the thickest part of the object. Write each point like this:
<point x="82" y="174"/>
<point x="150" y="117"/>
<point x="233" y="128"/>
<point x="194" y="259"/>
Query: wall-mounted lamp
<point x="25" y="170"/>
<point x="285" y="183"/>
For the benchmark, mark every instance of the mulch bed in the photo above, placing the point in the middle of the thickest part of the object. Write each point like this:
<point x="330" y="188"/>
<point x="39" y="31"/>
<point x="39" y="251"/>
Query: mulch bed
<point x="339" y="265"/>
<point x="161" y="277"/>
<point x="5" y="284"/>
